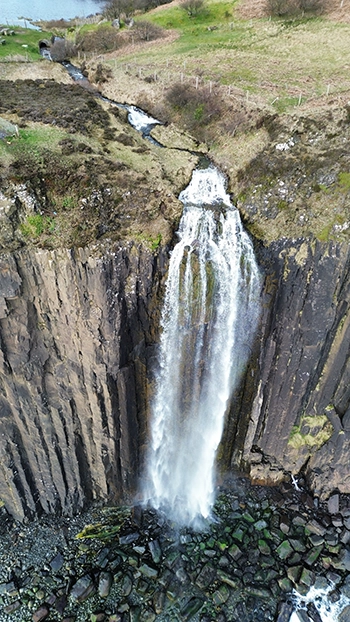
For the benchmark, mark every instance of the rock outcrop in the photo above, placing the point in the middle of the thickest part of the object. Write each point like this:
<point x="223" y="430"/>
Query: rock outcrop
<point x="75" y="337"/>
<point x="300" y="411"/>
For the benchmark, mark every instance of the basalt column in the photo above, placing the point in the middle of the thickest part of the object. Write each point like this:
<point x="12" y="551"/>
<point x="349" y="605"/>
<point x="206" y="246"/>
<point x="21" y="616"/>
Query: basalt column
<point x="74" y="337"/>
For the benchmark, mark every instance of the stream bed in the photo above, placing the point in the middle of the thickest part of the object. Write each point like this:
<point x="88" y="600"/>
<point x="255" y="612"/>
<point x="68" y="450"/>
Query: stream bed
<point x="261" y="547"/>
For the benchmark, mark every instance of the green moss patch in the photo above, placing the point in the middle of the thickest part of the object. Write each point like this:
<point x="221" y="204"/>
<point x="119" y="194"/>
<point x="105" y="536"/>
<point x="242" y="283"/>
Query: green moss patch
<point x="311" y="432"/>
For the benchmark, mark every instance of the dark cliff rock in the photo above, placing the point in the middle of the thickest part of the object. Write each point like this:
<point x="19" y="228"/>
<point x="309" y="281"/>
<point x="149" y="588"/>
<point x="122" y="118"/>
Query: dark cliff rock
<point x="75" y="336"/>
<point x="299" y="415"/>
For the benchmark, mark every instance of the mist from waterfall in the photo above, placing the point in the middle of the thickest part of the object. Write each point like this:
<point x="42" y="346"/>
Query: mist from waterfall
<point x="210" y="312"/>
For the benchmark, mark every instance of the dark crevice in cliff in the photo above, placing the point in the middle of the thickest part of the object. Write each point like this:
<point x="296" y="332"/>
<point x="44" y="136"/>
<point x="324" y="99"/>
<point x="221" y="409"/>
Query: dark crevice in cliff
<point x="83" y="466"/>
<point x="7" y="367"/>
<point x="115" y="417"/>
<point x="103" y="411"/>
<point x="60" y="459"/>
<point x="27" y="473"/>
<point x="64" y="424"/>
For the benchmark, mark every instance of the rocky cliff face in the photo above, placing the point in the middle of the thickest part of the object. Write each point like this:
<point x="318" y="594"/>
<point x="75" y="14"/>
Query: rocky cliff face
<point x="77" y="332"/>
<point x="75" y="336"/>
<point x="299" y="417"/>
<point x="78" y="327"/>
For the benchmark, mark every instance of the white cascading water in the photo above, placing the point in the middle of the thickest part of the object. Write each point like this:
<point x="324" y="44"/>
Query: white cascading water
<point x="328" y="611"/>
<point x="210" y="313"/>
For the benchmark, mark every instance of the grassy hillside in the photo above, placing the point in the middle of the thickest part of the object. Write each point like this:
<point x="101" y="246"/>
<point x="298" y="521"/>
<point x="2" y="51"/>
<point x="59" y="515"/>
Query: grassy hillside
<point x="21" y="45"/>
<point x="268" y="96"/>
<point x="280" y="62"/>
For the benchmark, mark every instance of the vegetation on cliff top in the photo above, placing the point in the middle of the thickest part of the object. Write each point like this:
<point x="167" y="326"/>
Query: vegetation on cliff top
<point x="82" y="172"/>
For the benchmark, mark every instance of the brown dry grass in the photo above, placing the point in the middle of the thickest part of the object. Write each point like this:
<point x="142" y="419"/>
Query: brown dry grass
<point x="336" y="10"/>
<point x="41" y="70"/>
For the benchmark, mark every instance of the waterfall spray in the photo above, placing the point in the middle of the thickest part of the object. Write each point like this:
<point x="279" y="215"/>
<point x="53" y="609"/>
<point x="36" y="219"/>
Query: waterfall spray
<point x="208" y="319"/>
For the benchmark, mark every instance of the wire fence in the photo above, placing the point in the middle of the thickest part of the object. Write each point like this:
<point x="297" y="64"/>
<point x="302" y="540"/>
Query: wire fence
<point x="166" y="75"/>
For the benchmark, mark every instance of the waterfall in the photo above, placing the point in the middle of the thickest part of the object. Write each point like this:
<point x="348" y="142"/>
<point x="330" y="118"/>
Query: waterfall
<point x="208" y="319"/>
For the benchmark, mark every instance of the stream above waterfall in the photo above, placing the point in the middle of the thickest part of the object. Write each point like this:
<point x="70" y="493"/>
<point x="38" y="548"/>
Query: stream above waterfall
<point x="138" y="119"/>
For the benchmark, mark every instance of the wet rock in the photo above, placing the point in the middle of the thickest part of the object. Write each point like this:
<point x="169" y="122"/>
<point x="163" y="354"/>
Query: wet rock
<point x="83" y="589"/>
<point x="238" y="534"/>
<point x="126" y="585"/>
<point x="98" y="617"/>
<point x="40" y="614"/>
<point x="61" y="603"/>
<point x="260" y="525"/>
<point x="315" y="528"/>
<point x="159" y="601"/>
<point x="12" y="607"/>
<point x="294" y="573"/>
<point x="334" y="596"/>
<point x="298" y="545"/>
<point x="206" y="576"/>
<point x="318" y="540"/>
<point x="148" y="615"/>
<point x="344" y="616"/>
<point x="285" y="585"/>
<point x="155" y="550"/>
<point x="129" y="538"/>
<point x="57" y="562"/>
<point x="235" y="552"/>
<point x="221" y="595"/>
<point x="285" y="524"/>
<point x="285" y="611"/>
<point x="264" y="547"/>
<point x="102" y="559"/>
<point x="190" y="608"/>
<point x="105" y="582"/>
<point x="284" y="550"/>
<point x="233" y="582"/>
<point x="313" y="613"/>
<point x="337" y="521"/>
<point x="307" y="577"/>
<point x="313" y="556"/>
<point x="333" y="504"/>
<point x="149" y="572"/>
<point x="343" y="561"/>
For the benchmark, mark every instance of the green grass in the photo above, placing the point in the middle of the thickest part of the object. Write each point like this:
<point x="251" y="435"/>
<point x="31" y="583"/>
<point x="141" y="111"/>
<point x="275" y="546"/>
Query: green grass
<point x="31" y="141"/>
<point x="34" y="226"/>
<point x="344" y="181"/>
<point x="25" y="42"/>
<point x="286" y="62"/>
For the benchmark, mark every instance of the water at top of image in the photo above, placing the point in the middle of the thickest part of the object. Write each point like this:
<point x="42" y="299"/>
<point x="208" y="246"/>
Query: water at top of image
<point x="14" y="12"/>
